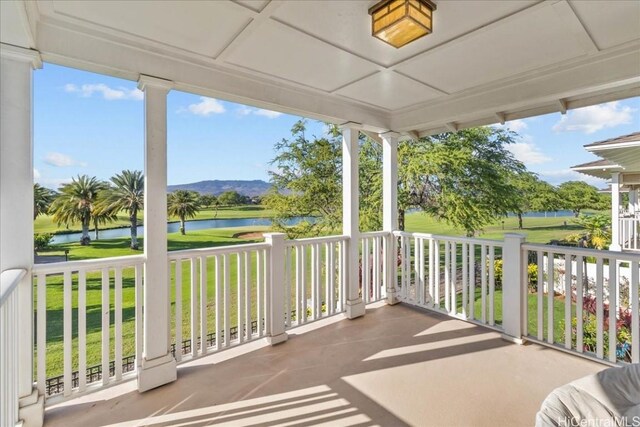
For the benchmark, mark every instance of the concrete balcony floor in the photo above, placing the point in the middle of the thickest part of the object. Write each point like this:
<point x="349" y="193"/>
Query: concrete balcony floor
<point x="395" y="366"/>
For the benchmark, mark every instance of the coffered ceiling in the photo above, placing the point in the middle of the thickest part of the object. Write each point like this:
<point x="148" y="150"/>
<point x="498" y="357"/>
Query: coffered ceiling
<point x="486" y="61"/>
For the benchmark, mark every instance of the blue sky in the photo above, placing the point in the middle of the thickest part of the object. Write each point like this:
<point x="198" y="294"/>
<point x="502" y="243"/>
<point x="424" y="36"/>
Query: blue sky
<point x="86" y="123"/>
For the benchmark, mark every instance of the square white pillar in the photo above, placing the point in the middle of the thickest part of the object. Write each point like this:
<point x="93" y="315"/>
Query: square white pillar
<point x="16" y="206"/>
<point x="158" y="367"/>
<point x="615" y="212"/>
<point x="390" y="208"/>
<point x="351" y="218"/>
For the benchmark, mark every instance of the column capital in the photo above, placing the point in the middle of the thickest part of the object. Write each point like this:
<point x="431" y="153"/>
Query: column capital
<point x="145" y="81"/>
<point x="351" y="125"/>
<point x="390" y="135"/>
<point x="21" y="54"/>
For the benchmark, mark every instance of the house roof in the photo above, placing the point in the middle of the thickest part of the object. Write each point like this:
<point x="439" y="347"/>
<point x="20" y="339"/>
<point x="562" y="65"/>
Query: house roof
<point x="485" y="62"/>
<point x="601" y="163"/>
<point x="632" y="137"/>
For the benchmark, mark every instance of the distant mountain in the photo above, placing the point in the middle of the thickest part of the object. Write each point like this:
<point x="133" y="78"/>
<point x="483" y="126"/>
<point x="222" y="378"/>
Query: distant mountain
<point x="217" y="187"/>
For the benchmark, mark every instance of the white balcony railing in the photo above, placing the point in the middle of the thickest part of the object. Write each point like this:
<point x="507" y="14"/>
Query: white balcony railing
<point x="89" y="313"/>
<point x="72" y="300"/>
<point x="9" y="331"/>
<point x="630" y="234"/>
<point x="596" y="293"/>
<point x="453" y="275"/>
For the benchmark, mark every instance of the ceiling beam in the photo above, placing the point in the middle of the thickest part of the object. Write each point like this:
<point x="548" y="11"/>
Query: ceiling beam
<point x="562" y="103"/>
<point x="374" y="136"/>
<point x="501" y="118"/>
<point x="247" y="31"/>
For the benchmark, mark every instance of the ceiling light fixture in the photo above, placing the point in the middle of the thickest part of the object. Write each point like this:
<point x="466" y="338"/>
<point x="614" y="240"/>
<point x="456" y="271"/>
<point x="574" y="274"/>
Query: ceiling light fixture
<point x="399" y="22"/>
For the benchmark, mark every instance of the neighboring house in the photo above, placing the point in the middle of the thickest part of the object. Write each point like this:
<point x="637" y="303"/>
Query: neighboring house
<point x="619" y="164"/>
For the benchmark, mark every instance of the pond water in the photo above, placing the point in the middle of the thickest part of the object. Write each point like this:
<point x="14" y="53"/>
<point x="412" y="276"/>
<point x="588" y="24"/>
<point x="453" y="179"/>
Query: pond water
<point x="174" y="227"/>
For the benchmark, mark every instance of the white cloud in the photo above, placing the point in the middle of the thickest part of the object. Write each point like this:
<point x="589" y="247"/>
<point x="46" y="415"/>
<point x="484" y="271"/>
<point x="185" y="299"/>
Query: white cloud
<point x="108" y="93"/>
<point x="36" y="174"/>
<point x="528" y="153"/>
<point x="557" y="177"/>
<point x="594" y="118"/>
<point x="61" y="160"/>
<point x="516" y="125"/>
<point x="206" y="107"/>
<point x="245" y="111"/>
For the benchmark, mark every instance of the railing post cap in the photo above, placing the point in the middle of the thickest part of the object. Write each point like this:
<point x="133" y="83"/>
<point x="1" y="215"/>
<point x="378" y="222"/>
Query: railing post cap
<point x="515" y="236"/>
<point x="275" y="236"/>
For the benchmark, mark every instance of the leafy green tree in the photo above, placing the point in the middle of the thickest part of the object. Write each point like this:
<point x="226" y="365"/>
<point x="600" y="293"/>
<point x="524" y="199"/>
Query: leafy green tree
<point x="76" y="202"/>
<point x="42" y="199"/>
<point x="307" y="183"/>
<point x="463" y="178"/>
<point x="183" y="204"/>
<point x="232" y="198"/>
<point x="207" y="200"/>
<point x="578" y="195"/>
<point x="125" y="194"/>
<point x="370" y="184"/>
<point x="534" y="195"/>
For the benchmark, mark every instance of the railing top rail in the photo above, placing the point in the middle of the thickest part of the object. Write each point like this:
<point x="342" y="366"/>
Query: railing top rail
<point x="325" y="239"/>
<point x="620" y="256"/>
<point x="220" y="250"/>
<point x="367" y="234"/>
<point x="458" y="239"/>
<point x="9" y="279"/>
<point x="88" y="264"/>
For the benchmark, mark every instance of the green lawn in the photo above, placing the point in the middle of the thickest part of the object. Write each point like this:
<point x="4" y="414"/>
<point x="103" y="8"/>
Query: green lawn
<point x="118" y="247"/>
<point x="537" y="229"/>
<point x="532" y="304"/>
<point x="45" y="224"/>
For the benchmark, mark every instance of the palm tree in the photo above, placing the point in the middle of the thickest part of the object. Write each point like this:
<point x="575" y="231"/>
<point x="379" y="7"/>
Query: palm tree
<point x="42" y="198"/>
<point x="183" y="204"/>
<point x="126" y="194"/>
<point x="75" y="203"/>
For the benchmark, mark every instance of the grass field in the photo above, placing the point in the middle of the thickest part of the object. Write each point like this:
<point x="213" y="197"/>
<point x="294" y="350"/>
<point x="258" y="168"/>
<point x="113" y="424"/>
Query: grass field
<point x="537" y="230"/>
<point x="45" y="224"/>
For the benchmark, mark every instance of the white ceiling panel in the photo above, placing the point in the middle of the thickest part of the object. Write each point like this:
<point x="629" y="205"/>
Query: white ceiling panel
<point x="280" y="51"/>
<point x="610" y="22"/>
<point x="350" y="24"/>
<point x="529" y="40"/>
<point x="201" y="27"/>
<point x="255" y="5"/>
<point x="389" y="90"/>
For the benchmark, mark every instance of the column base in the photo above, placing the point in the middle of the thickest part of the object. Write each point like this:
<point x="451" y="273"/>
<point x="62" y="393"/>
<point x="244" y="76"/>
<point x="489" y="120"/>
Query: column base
<point x="278" y="339"/>
<point x="31" y="410"/>
<point x="355" y="308"/>
<point x="615" y="248"/>
<point x="392" y="297"/>
<point x="156" y="372"/>
<point x="515" y="340"/>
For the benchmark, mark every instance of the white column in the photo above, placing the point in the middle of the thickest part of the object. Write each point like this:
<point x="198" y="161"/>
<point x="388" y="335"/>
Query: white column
<point x="390" y="208"/>
<point x="513" y="271"/>
<point x="16" y="206"/>
<point x="158" y="366"/>
<point x="275" y="289"/>
<point x="351" y="218"/>
<point x="615" y="212"/>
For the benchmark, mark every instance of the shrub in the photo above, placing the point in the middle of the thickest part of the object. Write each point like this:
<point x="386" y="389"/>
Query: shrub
<point x="590" y="330"/>
<point x="42" y="241"/>
<point x="532" y="275"/>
